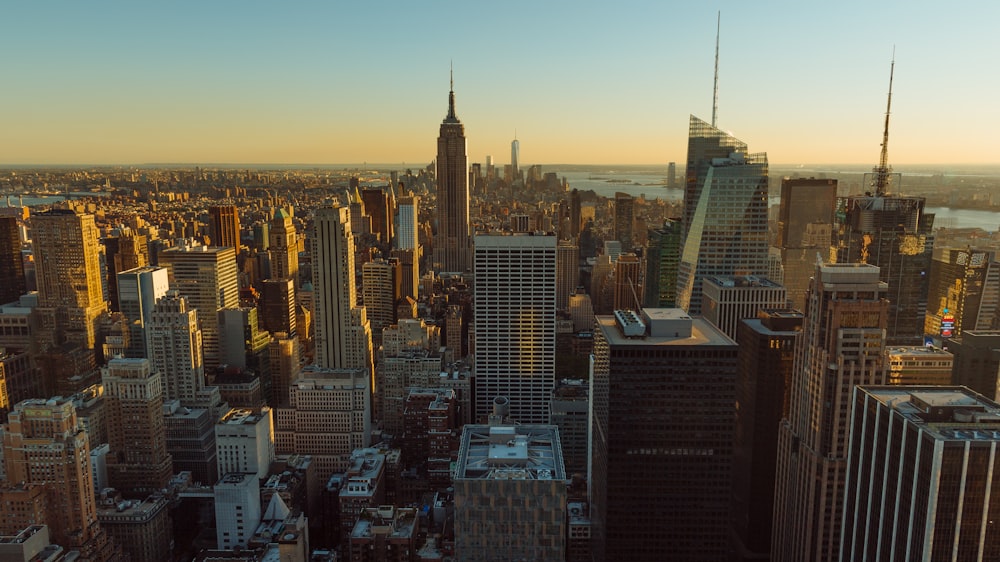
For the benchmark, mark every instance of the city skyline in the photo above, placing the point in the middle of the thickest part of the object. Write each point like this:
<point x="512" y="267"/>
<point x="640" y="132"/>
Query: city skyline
<point x="580" y="83"/>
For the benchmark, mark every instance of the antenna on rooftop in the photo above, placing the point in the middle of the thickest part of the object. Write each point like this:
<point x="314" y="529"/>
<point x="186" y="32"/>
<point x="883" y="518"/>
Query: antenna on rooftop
<point x="715" y="89"/>
<point x="883" y="170"/>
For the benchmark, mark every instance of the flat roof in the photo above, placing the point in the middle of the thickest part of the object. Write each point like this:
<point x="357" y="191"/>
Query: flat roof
<point x="522" y="452"/>
<point x="975" y="417"/>
<point x="702" y="332"/>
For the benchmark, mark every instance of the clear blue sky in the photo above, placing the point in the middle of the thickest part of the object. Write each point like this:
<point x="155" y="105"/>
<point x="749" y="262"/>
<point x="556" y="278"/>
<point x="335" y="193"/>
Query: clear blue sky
<point x="581" y="82"/>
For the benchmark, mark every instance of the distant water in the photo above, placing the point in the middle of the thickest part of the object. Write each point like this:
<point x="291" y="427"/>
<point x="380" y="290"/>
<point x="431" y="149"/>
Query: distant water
<point x="45" y="200"/>
<point x="648" y="184"/>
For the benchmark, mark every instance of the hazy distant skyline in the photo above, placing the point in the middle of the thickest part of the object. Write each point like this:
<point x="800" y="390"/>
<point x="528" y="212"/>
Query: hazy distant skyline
<point x="582" y="82"/>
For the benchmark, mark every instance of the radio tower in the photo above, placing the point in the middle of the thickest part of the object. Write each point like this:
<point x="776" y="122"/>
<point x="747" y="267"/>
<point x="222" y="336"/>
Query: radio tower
<point x="881" y="174"/>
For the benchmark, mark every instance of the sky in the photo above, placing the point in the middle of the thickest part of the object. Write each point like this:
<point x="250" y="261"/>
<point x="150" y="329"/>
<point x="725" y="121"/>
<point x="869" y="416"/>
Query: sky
<point x="578" y="82"/>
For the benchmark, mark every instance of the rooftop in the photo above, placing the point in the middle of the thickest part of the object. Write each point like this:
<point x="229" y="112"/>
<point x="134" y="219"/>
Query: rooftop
<point x="742" y="281"/>
<point x="702" y="331"/>
<point x="524" y="452"/>
<point x="241" y="416"/>
<point x="947" y="413"/>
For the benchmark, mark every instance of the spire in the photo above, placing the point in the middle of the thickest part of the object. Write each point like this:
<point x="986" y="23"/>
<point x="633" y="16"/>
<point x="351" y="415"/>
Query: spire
<point x="715" y="88"/>
<point x="451" y="118"/>
<point x="882" y="172"/>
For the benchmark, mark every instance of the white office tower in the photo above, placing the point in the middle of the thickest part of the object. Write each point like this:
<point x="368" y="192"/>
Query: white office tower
<point x="138" y="291"/>
<point x="237" y="509"/>
<point x="244" y="441"/>
<point x="515" y="323"/>
<point x="335" y="293"/>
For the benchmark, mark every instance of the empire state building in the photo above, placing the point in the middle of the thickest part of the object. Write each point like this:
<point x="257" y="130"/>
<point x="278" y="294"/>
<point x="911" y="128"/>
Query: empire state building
<point x="452" y="243"/>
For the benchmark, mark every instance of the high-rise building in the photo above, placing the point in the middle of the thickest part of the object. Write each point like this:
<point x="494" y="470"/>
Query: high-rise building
<point x="284" y="357"/>
<point x="918" y="365"/>
<point x="963" y="291"/>
<point x="68" y="274"/>
<point x="407" y="223"/>
<point x="767" y="345"/>
<point x="515" y="323"/>
<point x="244" y="440"/>
<point x="190" y="438"/>
<point x="671" y="175"/>
<point x="510" y="494"/>
<point x="515" y="153"/>
<point x="141" y="527"/>
<point x="627" y="280"/>
<point x="567" y="272"/>
<point x="922" y="473"/>
<point x="663" y="255"/>
<point x="206" y="275"/>
<point x="175" y="348"/>
<point x="277" y="305"/>
<point x="452" y="250"/>
<point x="624" y="219"/>
<point x="380" y="289"/>
<point x="729" y="299"/>
<point x="725" y="212"/>
<point x="124" y="251"/>
<point x="335" y="292"/>
<point x="328" y="416"/>
<point x="378" y="205"/>
<point x="44" y="446"/>
<point x="283" y="247"/>
<point x="138" y="291"/>
<point x="139" y="463"/>
<point x="805" y="231"/>
<point x="570" y="412"/>
<point x="224" y="222"/>
<point x="842" y="345"/>
<point x="976" y="362"/>
<point x="12" y="281"/>
<point x="662" y="395"/>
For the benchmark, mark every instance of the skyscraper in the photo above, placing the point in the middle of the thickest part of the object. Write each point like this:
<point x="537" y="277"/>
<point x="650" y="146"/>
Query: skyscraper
<point x="277" y="305"/>
<point x="206" y="275"/>
<point x="174" y="345"/>
<point x="139" y="463"/>
<point x="225" y="226"/>
<point x="922" y="475"/>
<point x="729" y="299"/>
<point x="662" y="390"/>
<point x="138" y="291"/>
<point x="767" y="345"/>
<point x="283" y="247"/>
<point x="624" y="219"/>
<point x="963" y="291"/>
<point x="12" y="282"/>
<point x="805" y="231"/>
<point x="567" y="272"/>
<point x="68" y="272"/>
<point x="451" y="244"/>
<point x="842" y="345"/>
<point x="515" y="154"/>
<point x="663" y="255"/>
<point x="333" y="278"/>
<point x="378" y="207"/>
<point x="725" y="212"/>
<point x="380" y="289"/>
<point x="515" y="323"/>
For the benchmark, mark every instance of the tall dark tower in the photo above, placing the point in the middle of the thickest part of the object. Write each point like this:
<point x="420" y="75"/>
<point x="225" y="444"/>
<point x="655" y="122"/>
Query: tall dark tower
<point x="12" y="283"/>
<point x="225" y="224"/>
<point x="893" y="232"/>
<point x="451" y="245"/>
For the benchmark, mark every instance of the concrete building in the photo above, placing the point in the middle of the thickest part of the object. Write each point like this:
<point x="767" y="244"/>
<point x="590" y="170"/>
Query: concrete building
<point x="237" y="509"/>
<point x="283" y="247"/>
<point x="922" y="465"/>
<point x="976" y="362"/>
<point x="12" y="281"/>
<point x="328" y="417"/>
<point x="510" y="494"/>
<point x="277" y="305"/>
<point x="842" y="345"/>
<point x="191" y="441"/>
<point x="175" y="347"/>
<point x="918" y="365"/>
<point x="206" y="275"/>
<point x="624" y="219"/>
<point x="662" y="398"/>
<point x="385" y="533"/>
<point x="515" y="323"/>
<point x="142" y="528"/>
<point x="224" y="226"/>
<point x="627" y="281"/>
<point x="567" y="272"/>
<point x="245" y="441"/>
<point x="663" y="255"/>
<point x="363" y="486"/>
<point x="138" y="291"/>
<point x="380" y="289"/>
<point x="138" y="463"/>
<point x="729" y="299"/>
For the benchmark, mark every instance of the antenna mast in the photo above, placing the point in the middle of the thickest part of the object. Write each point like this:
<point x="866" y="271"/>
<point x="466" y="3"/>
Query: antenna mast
<point x="715" y="88"/>
<point x="883" y="170"/>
